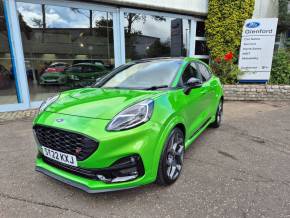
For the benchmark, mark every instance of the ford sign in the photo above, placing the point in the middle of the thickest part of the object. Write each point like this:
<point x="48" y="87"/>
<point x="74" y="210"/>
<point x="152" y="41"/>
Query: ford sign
<point x="253" y="24"/>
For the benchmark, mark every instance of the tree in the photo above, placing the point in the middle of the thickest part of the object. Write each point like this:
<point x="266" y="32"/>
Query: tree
<point x="131" y="18"/>
<point x="284" y="15"/>
<point x="90" y="16"/>
<point x="158" y="48"/>
<point x="104" y="27"/>
<point x="36" y="22"/>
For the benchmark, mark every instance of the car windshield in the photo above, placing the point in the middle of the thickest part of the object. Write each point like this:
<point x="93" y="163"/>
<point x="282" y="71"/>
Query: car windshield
<point x="144" y="75"/>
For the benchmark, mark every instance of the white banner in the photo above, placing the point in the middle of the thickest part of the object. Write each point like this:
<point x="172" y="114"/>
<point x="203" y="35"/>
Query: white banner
<point x="257" y="48"/>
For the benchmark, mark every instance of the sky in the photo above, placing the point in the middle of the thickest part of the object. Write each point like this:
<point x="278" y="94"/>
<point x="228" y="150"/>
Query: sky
<point x="65" y="17"/>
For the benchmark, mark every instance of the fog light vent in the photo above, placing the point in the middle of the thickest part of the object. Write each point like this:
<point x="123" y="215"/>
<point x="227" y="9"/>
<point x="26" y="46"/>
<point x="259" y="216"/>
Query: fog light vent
<point x="125" y="169"/>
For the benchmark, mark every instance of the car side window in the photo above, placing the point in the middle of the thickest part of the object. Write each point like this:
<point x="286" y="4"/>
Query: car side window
<point x="92" y="69"/>
<point x="99" y="69"/>
<point x="204" y="72"/>
<point x="190" y="72"/>
<point x="87" y="69"/>
<point x="74" y="69"/>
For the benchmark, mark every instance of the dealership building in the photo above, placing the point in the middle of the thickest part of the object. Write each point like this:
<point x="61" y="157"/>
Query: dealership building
<point x="40" y="39"/>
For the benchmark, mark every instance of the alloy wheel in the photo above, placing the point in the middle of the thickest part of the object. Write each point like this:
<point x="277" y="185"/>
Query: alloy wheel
<point x="175" y="155"/>
<point x="220" y="113"/>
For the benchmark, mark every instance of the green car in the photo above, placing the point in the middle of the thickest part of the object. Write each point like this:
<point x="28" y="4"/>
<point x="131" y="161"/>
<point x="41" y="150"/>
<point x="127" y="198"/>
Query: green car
<point x="132" y="128"/>
<point x="78" y="75"/>
<point x="56" y="78"/>
<point x="84" y="74"/>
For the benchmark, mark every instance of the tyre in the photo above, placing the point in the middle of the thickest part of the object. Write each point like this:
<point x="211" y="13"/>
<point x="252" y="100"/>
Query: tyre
<point x="171" y="160"/>
<point x="218" y="116"/>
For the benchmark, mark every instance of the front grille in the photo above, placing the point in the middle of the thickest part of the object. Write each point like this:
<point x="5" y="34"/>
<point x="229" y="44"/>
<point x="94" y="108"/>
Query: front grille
<point x="67" y="142"/>
<point x="87" y="173"/>
<point x="120" y="168"/>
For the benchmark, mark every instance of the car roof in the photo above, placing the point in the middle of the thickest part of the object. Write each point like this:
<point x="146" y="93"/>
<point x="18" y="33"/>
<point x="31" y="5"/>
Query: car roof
<point x="59" y="63"/>
<point x="166" y="58"/>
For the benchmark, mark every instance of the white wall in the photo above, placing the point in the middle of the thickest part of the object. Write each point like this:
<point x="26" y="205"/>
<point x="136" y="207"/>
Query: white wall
<point x="192" y="7"/>
<point x="266" y="9"/>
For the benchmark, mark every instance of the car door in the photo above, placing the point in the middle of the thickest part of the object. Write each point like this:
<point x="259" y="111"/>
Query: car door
<point x="208" y="91"/>
<point x="194" y="104"/>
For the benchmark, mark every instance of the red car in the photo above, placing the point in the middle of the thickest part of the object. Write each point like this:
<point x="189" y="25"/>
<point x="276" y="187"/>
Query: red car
<point x="56" y="67"/>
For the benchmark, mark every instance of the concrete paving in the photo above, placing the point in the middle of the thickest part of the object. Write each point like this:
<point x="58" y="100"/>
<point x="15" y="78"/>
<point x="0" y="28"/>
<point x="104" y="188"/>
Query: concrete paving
<point x="239" y="170"/>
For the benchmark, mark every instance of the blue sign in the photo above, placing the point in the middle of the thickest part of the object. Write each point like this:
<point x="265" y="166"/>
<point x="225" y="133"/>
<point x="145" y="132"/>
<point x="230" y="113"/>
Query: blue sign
<point x="253" y="24"/>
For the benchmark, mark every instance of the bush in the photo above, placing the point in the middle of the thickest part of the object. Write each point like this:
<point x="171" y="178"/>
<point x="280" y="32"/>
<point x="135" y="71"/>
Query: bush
<point x="226" y="69"/>
<point x="281" y="68"/>
<point x="224" y="27"/>
<point x="225" y="23"/>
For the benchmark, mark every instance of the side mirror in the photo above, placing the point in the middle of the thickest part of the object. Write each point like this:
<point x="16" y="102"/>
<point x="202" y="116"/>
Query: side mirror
<point x="192" y="83"/>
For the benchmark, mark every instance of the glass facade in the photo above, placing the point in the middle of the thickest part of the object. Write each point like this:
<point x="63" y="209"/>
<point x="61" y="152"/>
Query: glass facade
<point x="200" y="29"/>
<point x="148" y="36"/>
<point x="7" y="74"/>
<point x="64" y="47"/>
<point x="201" y="48"/>
<point x="67" y="45"/>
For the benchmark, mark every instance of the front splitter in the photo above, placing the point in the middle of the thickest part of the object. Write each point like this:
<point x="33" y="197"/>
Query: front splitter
<point x="75" y="184"/>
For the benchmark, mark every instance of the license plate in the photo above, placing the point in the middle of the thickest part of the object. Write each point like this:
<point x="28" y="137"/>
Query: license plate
<point x="59" y="156"/>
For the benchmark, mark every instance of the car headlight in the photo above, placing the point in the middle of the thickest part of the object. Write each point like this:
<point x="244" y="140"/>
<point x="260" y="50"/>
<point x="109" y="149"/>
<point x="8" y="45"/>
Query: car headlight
<point x="48" y="102"/>
<point x="132" y="116"/>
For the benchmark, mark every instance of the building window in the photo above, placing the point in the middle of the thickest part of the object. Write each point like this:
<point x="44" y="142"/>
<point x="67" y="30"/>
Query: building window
<point x="8" y="93"/>
<point x="148" y="36"/>
<point x="201" y="48"/>
<point x="200" y="29"/>
<point x="64" y="47"/>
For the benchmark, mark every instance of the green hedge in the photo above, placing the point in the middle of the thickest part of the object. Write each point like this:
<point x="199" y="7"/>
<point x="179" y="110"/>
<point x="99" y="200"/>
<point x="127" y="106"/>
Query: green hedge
<point x="224" y="27"/>
<point x="225" y="23"/>
<point x="281" y="68"/>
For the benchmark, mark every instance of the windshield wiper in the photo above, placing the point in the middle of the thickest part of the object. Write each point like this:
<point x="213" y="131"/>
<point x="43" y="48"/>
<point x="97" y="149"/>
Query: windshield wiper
<point x="156" y="87"/>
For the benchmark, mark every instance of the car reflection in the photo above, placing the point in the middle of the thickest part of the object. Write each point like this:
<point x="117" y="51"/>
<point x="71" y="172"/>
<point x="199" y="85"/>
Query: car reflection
<point x="77" y="75"/>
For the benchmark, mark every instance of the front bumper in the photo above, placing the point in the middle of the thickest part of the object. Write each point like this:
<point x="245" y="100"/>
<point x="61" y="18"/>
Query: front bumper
<point x="75" y="184"/>
<point x="113" y="146"/>
<point x="54" y="81"/>
<point x="85" y="184"/>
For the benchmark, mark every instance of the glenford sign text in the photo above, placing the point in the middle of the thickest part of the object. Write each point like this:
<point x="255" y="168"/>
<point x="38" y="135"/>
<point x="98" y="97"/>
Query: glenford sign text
<point x="257" y="48"/>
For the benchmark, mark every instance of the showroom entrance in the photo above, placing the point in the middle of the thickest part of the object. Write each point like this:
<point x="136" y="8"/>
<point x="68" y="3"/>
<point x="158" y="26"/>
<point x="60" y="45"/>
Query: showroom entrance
<point x="68" y="44"/>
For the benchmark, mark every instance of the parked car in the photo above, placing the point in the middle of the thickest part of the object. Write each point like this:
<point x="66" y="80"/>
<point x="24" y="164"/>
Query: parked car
<point x="94" y="61"/>
<point x="84" y="74"/>
<point x="56" y="78"/>
<point x="5" y="78"/>
<point x="132" y="128"/>
<point x="88" y="61"/>
<point x="56" y="67"/>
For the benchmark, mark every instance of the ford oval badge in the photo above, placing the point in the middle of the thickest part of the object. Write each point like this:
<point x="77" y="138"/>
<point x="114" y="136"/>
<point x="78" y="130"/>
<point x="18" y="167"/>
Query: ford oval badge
<point x="253" y="24"/>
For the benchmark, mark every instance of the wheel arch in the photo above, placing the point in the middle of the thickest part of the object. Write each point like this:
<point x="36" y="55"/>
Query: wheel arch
<point x="172" y="123"/>
<point x="181" y="126"/>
